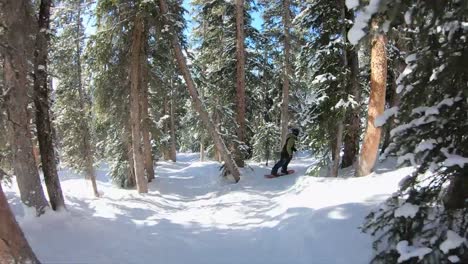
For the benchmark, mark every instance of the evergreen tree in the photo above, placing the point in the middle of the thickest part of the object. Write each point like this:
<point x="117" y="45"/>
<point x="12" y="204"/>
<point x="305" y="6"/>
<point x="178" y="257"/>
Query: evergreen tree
<point x="42" y="103"/>
<point x="324" y="64"/>
<point x="429" y="212"/>
<point x="17" y="50"/>
<point x="72" y="103"/>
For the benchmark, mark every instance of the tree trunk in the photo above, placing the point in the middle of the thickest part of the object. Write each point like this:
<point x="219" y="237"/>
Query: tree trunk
<point x="340" y="125"/>
<point x="337" y="151"/>
<point x="198" y="104"/>
<point x="41" y="101"/>
<point x="457" y="193"/>
<point x="145" y="124"/>
<point x="14" y="248"/>
<point x="135" y="117"/>
<point x="351" y="138"/>
<point x="390" y="124"/>
<point x="173" y="148"/>
<point x="371" y="142"/>
<point x="18" y="21"/>
<point x="128" y="146"/>
<point x="240" y="81"/>
<point x="393" y="97"/>
<point x="165" y="128"/>
<point x="88" y="152"/>
<point x="286" y="71"/>
<point x="202" y="151"/>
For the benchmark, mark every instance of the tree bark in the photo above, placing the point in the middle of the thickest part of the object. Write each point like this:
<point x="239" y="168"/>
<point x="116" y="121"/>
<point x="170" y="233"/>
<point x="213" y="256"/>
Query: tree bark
<point x="14" y="248"/>
<point x="88" y="152"/>
<point x="371" y="142"/>
<point x="131" y="181"/>
<point x="337" y="151"/>
<point x="340" y="125"/>
<point x="165" y="128"/>
<point x="145" y="124"/>
<point x="41" y="101"/>
<point x="173" y="148"/>
<point x="351" y="138"/>
<point x="286" y="71"/>
<point x="135" y="117"/>
<point x="18" y="21"/>
<point x="202" y="151"/>
<point x="390" y="124"/>
<point x="240" y="81"/>
<point x="198" y="104"/>
<point x="457" y="193"/>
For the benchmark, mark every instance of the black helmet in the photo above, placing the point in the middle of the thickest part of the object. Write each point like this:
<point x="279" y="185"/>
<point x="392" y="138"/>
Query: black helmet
<point x="295" y="131"/>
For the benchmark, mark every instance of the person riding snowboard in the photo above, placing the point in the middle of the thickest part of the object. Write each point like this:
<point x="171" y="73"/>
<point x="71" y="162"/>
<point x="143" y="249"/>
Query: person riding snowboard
<point x="286" y="153"/>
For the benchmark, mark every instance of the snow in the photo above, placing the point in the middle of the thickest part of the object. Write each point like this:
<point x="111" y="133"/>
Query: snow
<point x="425" y="145"/>
<point x="407" y="210"/>
<point x="191" y="215"/>
<point x="323" y="78"/>
<point x="356" y="32"/>
<point x="408" y="17"/>
<point x="464" y="25"/>
<point x="453" y="159"/>
<point x="407" y="252"/>
<point x="453" y="241"/>
<point x="350" y="4"/>
<point x="454" y="259"/>
<point x="382" y="119"/>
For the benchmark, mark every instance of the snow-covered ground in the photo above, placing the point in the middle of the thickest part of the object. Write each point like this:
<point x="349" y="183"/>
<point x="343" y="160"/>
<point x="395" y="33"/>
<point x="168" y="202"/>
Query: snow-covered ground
<point x="191" y="215"/>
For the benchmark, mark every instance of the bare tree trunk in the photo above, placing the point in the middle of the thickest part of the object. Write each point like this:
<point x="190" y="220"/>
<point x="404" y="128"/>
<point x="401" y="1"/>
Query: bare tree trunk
<point x="173" y="148"/>
<point x="18" y="21"/>
<point x="198" y="104"/>
<point x="145" y="124"/>
<point x="351" y="138"/>
<point x="240" y="81"/>
<point x="286" y="71"/>
<point x="41" y="101"/>
<point x="14" y="248"/>
<point x="88" y="152"/>
<point x="371" y="142"/>
<point x="135" y="117"/>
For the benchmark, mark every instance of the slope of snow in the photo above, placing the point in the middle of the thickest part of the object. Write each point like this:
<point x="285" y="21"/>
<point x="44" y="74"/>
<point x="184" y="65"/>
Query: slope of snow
<point x="190" y="215"/>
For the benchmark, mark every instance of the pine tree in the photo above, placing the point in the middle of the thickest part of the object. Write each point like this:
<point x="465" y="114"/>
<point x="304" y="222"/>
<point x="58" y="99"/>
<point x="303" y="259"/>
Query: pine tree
<point x="42" y="103"/>
<point x="431" y="135"/>
<point x="370" y="145"/>
<point x="198" y="104"/>
<point x="240" y="79"/>
<point x="325" y="64"/>
<point x="16" y="42"/>
<point x="14" y="247"/>
<point x="136" y="49"/>
<point x="72" y="105"/>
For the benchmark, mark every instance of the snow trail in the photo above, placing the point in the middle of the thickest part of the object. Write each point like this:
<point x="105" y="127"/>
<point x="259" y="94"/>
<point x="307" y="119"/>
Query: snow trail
<point x="191" y="215"/>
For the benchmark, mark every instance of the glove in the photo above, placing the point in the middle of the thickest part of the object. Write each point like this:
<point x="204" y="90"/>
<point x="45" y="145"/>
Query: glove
<point x="294" y="149"/>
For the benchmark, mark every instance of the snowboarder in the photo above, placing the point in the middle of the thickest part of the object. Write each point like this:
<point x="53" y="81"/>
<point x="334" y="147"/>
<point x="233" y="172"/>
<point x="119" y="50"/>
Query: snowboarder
<point x="286" y="153"/>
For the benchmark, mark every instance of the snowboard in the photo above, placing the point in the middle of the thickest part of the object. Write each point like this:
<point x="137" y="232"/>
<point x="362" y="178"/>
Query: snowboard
<point x="269" y="176"/>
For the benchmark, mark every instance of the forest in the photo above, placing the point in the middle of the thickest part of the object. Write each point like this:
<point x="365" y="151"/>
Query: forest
<point x="140" y="131"/>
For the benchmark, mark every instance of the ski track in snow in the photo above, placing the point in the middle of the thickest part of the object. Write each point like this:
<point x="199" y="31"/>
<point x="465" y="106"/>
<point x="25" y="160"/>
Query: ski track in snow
<point x="191" y="215"/>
